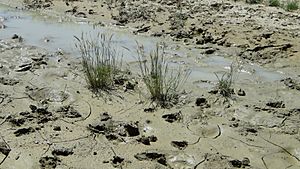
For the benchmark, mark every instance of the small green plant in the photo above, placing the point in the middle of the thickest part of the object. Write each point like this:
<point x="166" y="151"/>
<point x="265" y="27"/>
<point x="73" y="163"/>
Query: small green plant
<point x="99" y="61"/>
<point x="292" y="5"/>
<point x="161" y="81"/>
<point x="225" y="82"/>
<point x="224" y="85"/>
<point x="275" y="3"/>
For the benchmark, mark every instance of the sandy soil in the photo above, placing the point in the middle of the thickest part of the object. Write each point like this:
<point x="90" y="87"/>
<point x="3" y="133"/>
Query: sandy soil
<point x="49" y="118"/>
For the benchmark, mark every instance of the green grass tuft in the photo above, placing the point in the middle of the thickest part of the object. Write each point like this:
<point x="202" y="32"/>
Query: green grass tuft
<point x="161" y="81"/>
<point x="292" y="5"/>
<point x="99" y="61"/>
<point x="274" y="3"/>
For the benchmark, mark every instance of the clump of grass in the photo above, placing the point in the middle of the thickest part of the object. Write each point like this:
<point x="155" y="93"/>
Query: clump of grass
<point x="226" y="81"/>
<point x="292" y="5"/>
<point x="161" y="81"/>
<point x="99" y="61"/>
<point x="224" y="85"/>
<point x="274" y="3"/>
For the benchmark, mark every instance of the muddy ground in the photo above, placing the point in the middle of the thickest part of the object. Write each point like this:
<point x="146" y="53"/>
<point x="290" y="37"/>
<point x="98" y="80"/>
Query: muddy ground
<point x="50" y="119"/>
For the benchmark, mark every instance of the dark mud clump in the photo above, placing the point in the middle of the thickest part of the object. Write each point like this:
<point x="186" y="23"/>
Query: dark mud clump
<point x="114" y="130"/>
<point x="49" y="162"/>
<point x="69" y="112"/>
<point x="172" y="117"/>
<point x="24" y="131"/>
<point x="152" y="156"/>
<point x="147" y="140"/>
<point x="181" y="145"/>
<point x="291" y="83"/>
<point x="276" y="104"/>
<point x="62" y="151"/>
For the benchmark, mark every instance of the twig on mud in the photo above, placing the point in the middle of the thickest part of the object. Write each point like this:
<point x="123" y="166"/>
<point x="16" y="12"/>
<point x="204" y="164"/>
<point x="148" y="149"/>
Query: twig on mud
<point x="6" y="153"/>
<point x="46" y="140"/>
<point x="289" y="166"/>
<point x="90" y="112"/>
<point x="265" y="164"/>
<point x="246" y="143"/>
<point x="285" y="150"/>
<point x="205" y="157"/>
<point x="195" y="141"/>
<point x="5" y="118"/>
<point x="75" y="139"/>
<point x="48" y="148"/>
<point x="125" y="110"/>
<point x="219" y="133"/>
<point x="2" y="99"/>
<point x="115" y="154"/>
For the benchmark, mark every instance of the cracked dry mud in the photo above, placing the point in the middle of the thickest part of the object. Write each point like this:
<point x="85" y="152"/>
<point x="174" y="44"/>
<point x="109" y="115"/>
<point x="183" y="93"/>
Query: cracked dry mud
<point x="50" y="119"/>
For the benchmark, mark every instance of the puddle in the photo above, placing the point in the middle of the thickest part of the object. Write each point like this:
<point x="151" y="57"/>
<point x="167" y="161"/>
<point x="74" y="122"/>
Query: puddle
<point x="219" y="65"/>
<point x="49" y="33"/>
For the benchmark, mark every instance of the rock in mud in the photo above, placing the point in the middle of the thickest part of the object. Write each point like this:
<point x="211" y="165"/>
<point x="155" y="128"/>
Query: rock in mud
<point x="173" y="117"/>
<point x="152" y="156"/>
<point x="24" y="131"/>
<point x="49" y="162"/>
<point x="181" y="145"/>
<point x="62" y="151"/>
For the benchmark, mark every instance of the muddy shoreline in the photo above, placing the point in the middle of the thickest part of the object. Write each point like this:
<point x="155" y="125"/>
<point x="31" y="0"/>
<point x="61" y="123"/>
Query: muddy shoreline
<point x="50" y="119"/>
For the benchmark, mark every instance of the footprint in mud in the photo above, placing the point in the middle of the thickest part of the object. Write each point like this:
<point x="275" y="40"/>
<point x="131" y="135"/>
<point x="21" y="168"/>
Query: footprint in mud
<point x="48" y="94"/>
<point x="181" y="160"/>
<point x="206" y="131"/>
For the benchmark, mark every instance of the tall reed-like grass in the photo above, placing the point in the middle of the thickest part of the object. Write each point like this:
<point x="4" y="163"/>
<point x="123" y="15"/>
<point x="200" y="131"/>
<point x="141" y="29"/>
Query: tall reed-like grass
<point x="162" y="81"/>
<point x="100" y="60"/>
